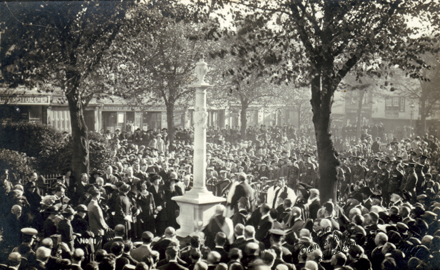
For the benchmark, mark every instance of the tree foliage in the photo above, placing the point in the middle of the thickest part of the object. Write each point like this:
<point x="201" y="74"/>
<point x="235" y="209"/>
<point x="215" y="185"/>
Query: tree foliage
<point x="48" y="44"/>
<point x="154" y="56"/>
<point x="320" y="42"/>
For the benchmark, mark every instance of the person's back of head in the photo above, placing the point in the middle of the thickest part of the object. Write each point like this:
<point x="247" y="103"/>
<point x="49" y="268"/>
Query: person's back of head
<point x="78" y="255"/>
<point x="388" y="264"/>
<point x="141" y="266"/>
<point x="147" y="237"/>
<point x="273" y="213"/>
<point x="264" y="208"/>
<point x="201" y="265"/>
<point x="108" y="262"/>
<point x="14" y="259"/>
<point x="120" y="230"/>
<point x="92" y="266"/>
<point x="325" y="224"/>
<point x="170" y="232"/>
<point x="249" y="231"/>
<point x="380" y="239"/>
<point x="195" y="254"/>
<point x="214" y="257"/>
<point x="99" y="254"/>
<point x="171" y="253"/>
<point x="221" y="266"/>
<point x="338" y="259"/>
<point x="315" y="255"/>
<point x="195" y="241"/>
<point x="219" y="210"/>
<point x="239" y="229"/>
<point x="117" y="248"/>
<point x="42" y="253"/>
<point x="128" y="245"/>
<point x="47" y="242"/>
<point x="311" y="265"/>
<point x="363" y="264"/>
<point x="329" y="206"/>
<point x="220" y="239"/>
<point x="268" y="257"/>
<point x="388" y="247"/>
<point x="235" y="254"/>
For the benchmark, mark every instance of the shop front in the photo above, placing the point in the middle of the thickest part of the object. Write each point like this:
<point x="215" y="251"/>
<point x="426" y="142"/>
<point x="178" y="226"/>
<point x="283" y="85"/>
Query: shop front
<point x="24" y="109"/>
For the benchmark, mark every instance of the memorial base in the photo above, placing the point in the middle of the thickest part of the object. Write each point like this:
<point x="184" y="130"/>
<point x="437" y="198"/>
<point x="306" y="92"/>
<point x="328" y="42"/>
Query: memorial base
<point x="197" y="206"/>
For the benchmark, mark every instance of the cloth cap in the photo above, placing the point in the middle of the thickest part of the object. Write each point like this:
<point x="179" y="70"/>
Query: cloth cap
<point x="14" y="257"/>
<point x="124" y="188"/>
<point x="81" y="208"/>
<point x="68" y="211"/>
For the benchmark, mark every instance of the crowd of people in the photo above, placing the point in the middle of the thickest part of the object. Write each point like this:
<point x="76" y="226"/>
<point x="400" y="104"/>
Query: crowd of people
<point x="385" y="215"/>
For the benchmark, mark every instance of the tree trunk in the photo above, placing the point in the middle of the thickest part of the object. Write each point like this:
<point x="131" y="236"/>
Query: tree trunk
<point x="423" y="114"/>
<point x="299" y="117"/>
<point x="170" y="122"/>
<point x="243" y="119"/>
<point x="80" y="156"/>
<point x="359" y="114"/>
<point x="321" y="105"/>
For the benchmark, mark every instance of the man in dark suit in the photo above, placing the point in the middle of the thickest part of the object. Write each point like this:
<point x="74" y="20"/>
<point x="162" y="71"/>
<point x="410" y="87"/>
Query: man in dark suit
<point x="81" y="187"/>
<point x="119" y="234"/>
<point x="265" y="224"/>
<point x="162" y="244"/>
<point x="96" y="218"/>
<point x="158" y="192"/>
<point x="117" y="249"/>
<point x="42" y="255"/>
<point x="77" y="258"/>
<point x="242" y="190"/>
<point x="14" y="262"/>
<point x="239" y="236"/>
<point x="242" y="215"/>
<point x="295" y="220"/>
<point x="128" y="245"/>
<point x="185" y="254"/>
<point x="220" y="241"/>
<point x="249" y="234"/>
<point x="65" y="227"/>
<point x="171" y="255"/>
<point x="145" y="249"/>
<point x="12" y="227"/>
<point x="79" y="223"/>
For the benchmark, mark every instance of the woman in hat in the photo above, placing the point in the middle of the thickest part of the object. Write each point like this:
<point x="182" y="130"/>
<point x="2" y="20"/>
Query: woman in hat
<point x="123" y="208"/>
<point x="145" y="200"/>
<point x="171" y="207"/>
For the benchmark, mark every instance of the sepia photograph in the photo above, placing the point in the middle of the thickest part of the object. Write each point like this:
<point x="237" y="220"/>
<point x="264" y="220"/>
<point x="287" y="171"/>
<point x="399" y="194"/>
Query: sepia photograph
<point x="220" y="135"/>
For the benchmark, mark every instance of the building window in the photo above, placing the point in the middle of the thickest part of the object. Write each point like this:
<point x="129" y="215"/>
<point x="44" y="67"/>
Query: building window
<point x="402" y="104"/>
<point x="395" y="104"/>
